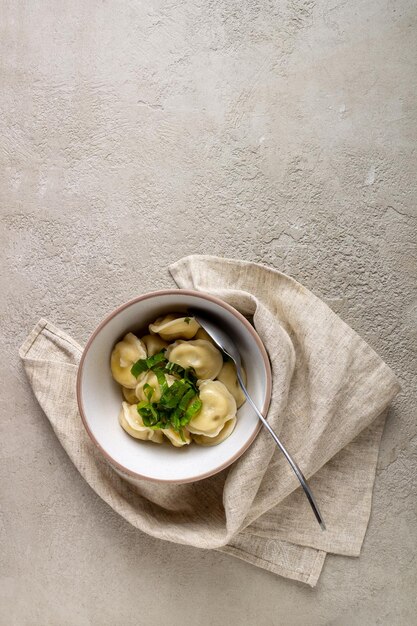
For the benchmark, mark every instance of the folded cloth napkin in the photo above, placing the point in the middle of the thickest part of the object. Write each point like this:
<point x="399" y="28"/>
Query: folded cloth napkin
<point x="329" y="399"/>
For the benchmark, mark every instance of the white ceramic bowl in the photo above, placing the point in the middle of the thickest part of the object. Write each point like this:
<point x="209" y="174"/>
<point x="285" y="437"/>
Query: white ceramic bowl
<point x="99" y="397"/>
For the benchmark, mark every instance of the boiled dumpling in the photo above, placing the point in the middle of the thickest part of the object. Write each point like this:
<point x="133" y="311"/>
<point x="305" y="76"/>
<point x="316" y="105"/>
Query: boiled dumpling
<point x="124" y="355"/>
<point x="225" y="432"/>
<point x="175" y="437"/>
<point x="154" y="344"/>
<point x="200" y="354"/>
<point x="228" y="377"/>
<point x="132" y="423"/>
<point x="218" y="407"/>
<point x="151" y="379"/>
<point x="203" y="334"/>
<point x="129" y="395"/>
<point x="172" y="326"/>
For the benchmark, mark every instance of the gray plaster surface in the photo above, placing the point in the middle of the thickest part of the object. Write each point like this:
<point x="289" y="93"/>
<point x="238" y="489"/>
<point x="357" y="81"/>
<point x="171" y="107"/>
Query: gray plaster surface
<point x="136" y="132"/>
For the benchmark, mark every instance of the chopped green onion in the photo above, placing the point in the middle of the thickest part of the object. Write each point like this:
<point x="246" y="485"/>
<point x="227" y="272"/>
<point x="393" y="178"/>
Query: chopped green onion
<point x="176" y="425"/>
<point x="193" y="409"/>
<point x="162" y="381"/>
<point x="191" y="377"/>
<point x="139" y="367"/>
<point x="156" y="358"/>
<point x="182" y="405"/>
<point x="178" y="403"/>
<point x="187" y="320"/>
<point x="172" y="396"/>
<point x="187" y="373"/>
<point x="148" y="391"/>
<point x="143" y="365"/>
<point x="174" y="368"/>
<point x="149" y="415"/>
<point x="185" y="400"/>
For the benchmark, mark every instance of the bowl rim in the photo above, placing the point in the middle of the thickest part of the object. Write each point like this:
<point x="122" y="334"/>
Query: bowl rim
<point x="186" y="292"/>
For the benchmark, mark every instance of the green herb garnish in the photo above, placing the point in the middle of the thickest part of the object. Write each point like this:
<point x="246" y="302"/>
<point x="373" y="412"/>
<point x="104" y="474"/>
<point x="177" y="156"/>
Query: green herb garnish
<point x="162" y="381"/>
<point x="143" y="365"/>
<point x="187" y="373"/>
<point x="172" y="396"/>
<point x="192" y="410"/>
<point x="178" y="403"/>
<point x="148" y="391"/>
<point x="187" y="320"/>
<point x="139" y="367"/>
<point x="174" y="368"/>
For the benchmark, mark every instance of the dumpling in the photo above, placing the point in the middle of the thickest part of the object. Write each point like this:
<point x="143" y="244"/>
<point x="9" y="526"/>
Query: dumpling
<point x="124" y="355"/>
<point x="131" y="422"/>
<point x="129" y="395"/>
<point x="151" y="379"/>
<point x="154" y="344"/>
<point x="218" y="407"/>
<point x="225" y="432"/>
<point x="229" y="379"/>
<point x="172" y="326"/>
<point x="203" y="334"/>
<point x="175" y="438"/>
<point x="200" y="354"/>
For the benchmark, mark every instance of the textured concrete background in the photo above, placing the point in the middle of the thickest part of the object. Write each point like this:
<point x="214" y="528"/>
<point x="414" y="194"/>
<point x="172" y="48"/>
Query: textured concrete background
<point x="136" y="132"/>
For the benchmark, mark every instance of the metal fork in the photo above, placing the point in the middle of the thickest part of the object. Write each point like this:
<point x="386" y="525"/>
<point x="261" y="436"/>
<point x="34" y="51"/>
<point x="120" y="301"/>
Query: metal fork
<point x="223" y="341"/>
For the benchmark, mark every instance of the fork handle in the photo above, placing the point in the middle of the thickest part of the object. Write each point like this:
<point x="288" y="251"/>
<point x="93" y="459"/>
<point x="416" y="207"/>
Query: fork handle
<point x="287" y="455"/>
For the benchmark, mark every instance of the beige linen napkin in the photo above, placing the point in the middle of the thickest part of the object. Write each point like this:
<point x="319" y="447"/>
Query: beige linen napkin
<point x="329" y="398"/>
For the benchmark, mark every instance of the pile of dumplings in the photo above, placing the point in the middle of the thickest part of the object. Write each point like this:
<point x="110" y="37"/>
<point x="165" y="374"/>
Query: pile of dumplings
<point x="188" y="345"/>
